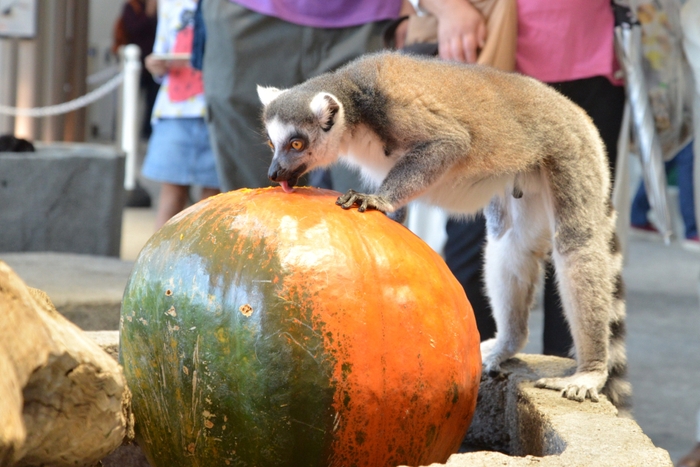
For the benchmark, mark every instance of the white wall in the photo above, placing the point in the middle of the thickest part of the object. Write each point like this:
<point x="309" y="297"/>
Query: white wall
<point x="103" y="14"/>
<point x="102" y="114"/>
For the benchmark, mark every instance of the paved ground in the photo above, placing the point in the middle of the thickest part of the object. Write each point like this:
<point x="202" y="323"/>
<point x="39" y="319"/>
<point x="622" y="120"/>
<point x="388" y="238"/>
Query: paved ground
<point x="664" y="342"/>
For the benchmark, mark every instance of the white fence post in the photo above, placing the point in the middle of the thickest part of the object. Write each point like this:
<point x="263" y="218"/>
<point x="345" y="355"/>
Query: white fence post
<point x="130" y="105"/>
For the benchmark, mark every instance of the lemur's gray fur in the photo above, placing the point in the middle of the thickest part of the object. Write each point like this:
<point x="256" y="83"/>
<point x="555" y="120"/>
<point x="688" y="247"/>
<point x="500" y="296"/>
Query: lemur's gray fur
<point x="465" y="138"/>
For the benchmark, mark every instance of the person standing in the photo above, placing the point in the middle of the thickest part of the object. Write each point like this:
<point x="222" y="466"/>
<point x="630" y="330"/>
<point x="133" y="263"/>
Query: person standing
<point x="179" y="153"/>
<point x="138" y="24"/>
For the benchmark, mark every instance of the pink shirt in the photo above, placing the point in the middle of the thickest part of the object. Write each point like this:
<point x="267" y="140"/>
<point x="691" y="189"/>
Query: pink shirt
<point x="326" y="13"/>
<point x="564" y="40"/>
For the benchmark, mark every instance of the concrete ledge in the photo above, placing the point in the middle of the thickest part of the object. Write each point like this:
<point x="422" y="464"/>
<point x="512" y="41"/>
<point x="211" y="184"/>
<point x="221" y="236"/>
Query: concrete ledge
<point x="63" y="197"/>
<point x="86" y="289"/>
<point x="538" y="427"/>
<point x="529" y="426"/>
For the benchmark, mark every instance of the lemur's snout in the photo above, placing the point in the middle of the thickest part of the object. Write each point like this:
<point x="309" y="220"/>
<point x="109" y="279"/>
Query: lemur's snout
<point x="285" y="177"/>
<point x="273" y="172"/>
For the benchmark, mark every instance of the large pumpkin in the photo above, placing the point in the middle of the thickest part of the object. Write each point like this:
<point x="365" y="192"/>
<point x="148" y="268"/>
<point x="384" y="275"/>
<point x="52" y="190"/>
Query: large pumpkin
<point x="268" y="329"/>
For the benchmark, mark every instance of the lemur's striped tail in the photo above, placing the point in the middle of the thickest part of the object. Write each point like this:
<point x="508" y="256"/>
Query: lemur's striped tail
<point x="617" y="388"/>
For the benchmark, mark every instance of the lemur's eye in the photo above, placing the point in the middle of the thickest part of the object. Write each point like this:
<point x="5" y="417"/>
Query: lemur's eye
<point x="269" y="143"/>
<point x="297" y="144"/>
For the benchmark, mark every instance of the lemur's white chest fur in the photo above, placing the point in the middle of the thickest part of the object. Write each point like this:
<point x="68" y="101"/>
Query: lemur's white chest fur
<point x="464" y="197"/>
<point x="363" y="149"/>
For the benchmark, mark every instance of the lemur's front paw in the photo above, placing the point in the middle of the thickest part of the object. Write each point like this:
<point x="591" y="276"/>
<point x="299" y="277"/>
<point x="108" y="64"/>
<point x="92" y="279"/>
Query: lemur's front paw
<point x="363" y="202"/>
<point x="577" y="387"/>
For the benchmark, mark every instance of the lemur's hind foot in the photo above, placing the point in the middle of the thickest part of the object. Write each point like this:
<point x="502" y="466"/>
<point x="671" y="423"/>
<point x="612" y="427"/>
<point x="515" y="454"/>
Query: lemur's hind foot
<point x="577" y="387"/>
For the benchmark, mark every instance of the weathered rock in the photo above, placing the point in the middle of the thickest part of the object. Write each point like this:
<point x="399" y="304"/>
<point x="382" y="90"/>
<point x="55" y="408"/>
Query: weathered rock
<point x="64" y="401"/>
<point x="129" y="454"/>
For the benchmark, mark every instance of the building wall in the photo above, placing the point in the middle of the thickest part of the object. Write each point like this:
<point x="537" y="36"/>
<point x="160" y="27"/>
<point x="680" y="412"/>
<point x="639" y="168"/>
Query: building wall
<point x="101" y="119"/>
<point x="50" y="69"/>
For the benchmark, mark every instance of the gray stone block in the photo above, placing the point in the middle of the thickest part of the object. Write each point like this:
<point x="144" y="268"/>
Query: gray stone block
<point x="65" y="197"/>
<point x="538" y="427"/>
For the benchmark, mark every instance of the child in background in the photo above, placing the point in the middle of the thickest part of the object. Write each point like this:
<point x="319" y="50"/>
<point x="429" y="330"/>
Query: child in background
<point x="179" y="153"/>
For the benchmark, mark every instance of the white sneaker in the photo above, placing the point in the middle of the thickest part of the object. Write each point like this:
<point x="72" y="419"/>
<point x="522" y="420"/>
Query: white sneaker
<point x="691" y="244"/>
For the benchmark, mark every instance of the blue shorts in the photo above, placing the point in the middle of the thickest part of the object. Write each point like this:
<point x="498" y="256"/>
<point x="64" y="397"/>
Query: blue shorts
<point x="179" y="153"/>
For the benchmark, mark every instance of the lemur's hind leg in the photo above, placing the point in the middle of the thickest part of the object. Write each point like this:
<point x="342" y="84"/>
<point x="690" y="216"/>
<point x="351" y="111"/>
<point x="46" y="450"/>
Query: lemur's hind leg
<point x="584" y="266"/>
<point x="518" y="238"/>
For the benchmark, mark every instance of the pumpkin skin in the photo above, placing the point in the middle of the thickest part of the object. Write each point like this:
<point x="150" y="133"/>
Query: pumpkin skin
<point x="261" y="328"/>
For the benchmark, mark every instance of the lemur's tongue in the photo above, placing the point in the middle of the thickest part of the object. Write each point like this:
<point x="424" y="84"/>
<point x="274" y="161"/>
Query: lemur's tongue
<point x="285" y="186"/>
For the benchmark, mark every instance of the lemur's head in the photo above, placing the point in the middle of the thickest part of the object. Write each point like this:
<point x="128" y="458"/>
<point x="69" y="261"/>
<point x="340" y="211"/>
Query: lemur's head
<point x="304" y="130"/>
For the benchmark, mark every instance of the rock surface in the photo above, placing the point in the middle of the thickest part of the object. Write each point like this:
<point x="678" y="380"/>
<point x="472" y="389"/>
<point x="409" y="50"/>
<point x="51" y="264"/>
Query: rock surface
<point x="63" y="400"/>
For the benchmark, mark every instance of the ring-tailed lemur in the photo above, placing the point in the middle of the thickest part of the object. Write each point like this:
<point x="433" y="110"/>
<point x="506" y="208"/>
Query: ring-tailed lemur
<point x="465" y="138"/>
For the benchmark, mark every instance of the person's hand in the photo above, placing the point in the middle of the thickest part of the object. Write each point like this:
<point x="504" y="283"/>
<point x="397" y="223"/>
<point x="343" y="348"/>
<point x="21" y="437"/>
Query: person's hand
<point x="156" y="66"/>
<point x="461" y="31"/>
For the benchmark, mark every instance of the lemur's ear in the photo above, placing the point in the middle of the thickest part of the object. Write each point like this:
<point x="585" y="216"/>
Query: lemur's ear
<point x="325" y="106"/>
<point x="268" y="94"/>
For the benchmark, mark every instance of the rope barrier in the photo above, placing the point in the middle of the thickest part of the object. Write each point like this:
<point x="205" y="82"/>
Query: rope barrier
<point x="102" y="75"/>
<point x="128" y="78"/>
<point x="65" y="107"/>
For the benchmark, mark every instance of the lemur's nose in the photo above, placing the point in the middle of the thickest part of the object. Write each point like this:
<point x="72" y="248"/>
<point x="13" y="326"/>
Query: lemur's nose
<point x="273" y="172"/>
